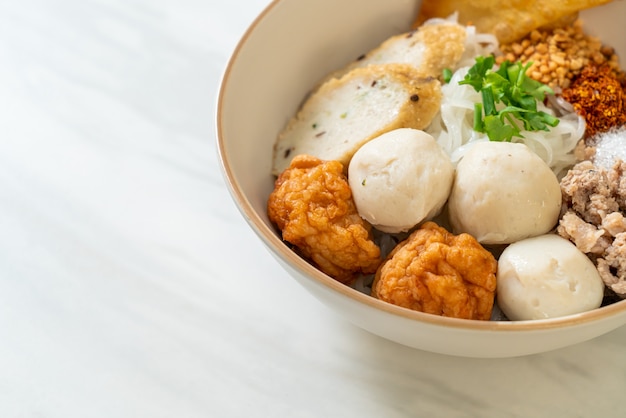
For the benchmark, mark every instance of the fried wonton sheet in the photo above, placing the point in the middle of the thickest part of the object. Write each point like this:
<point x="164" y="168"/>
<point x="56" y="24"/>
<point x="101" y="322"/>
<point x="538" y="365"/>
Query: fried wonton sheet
<point x="509" y="20"/>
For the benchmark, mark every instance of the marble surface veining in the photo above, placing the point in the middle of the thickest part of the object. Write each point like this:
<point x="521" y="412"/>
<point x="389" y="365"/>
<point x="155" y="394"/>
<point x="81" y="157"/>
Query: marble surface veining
<point x="122" y="293"/>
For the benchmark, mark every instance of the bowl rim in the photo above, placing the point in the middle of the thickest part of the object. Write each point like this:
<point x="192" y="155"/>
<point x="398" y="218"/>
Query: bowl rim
<point x="271" y="240"/>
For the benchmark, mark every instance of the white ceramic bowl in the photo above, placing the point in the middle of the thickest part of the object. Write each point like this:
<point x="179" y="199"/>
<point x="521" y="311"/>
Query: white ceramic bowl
<point x="287" y="49"/>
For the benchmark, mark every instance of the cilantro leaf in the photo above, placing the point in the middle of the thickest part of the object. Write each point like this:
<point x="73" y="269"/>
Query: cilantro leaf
<point x="497" y="130"/>
<point x="476" y="74"/>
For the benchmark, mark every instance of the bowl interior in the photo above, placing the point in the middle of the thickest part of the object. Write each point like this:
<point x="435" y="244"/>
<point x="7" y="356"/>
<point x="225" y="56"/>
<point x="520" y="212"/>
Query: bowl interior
<point x="285" y="52"/>
<point x="290" y="46"/>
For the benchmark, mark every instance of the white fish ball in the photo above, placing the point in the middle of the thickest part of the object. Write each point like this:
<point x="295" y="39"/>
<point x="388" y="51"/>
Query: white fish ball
<point x="400" y="179"/>
<point x="546" y="277"/>
<point x="503" y="192"/>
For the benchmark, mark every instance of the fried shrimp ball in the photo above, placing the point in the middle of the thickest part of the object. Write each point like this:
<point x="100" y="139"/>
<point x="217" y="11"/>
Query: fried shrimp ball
<point x="436" y="272"/>
<point x="313" y="207"/>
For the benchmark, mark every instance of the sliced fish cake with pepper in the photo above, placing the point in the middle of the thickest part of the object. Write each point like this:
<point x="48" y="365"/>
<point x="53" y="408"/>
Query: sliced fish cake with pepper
<point x="345" y="113"/>
<point x="431" y="48"/>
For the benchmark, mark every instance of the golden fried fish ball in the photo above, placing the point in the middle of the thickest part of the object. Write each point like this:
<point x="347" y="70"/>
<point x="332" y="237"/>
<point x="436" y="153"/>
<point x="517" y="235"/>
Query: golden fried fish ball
<point x="436" y="272"/>
<point x="313" y="207"/>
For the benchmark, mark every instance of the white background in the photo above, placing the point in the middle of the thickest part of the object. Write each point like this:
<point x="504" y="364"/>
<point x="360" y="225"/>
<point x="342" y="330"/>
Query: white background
<point x="122" y="287"/>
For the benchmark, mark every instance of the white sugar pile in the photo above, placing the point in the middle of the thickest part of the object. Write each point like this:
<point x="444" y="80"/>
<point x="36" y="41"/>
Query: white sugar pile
<point x="610" y="146"/>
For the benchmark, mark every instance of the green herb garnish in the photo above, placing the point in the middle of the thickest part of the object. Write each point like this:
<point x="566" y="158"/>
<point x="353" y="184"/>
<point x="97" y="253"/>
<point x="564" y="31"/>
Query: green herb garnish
<point x="517" y="92"/>
<point x="447" y="75"/>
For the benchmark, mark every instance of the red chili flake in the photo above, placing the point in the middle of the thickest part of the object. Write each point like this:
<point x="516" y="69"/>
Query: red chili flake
<point x="598" y="96"/>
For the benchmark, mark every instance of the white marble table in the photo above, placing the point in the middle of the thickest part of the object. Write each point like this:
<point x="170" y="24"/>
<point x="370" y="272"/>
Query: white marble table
<point x="122" y="293"/>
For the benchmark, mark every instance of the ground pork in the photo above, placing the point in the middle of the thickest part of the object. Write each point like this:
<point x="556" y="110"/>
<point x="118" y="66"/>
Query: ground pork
<point x="594" y="204"/>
